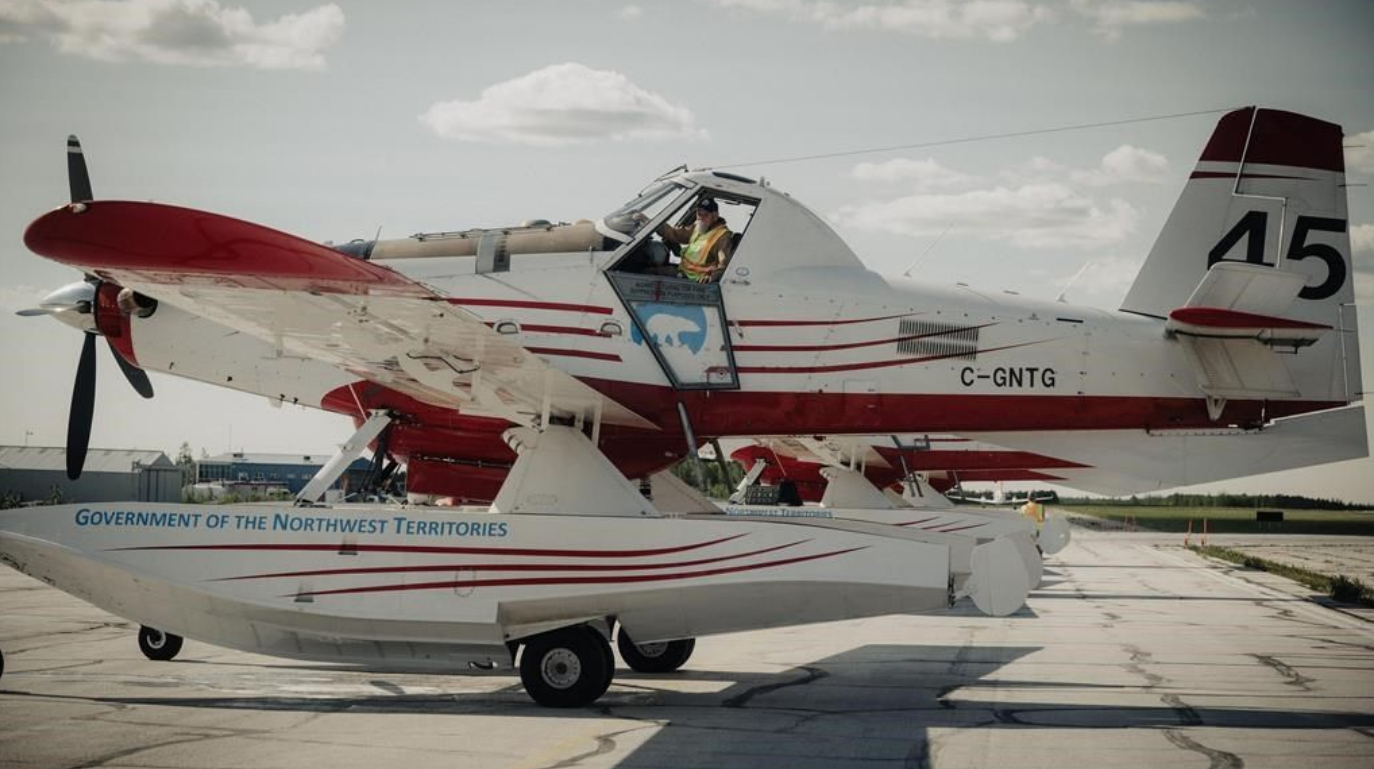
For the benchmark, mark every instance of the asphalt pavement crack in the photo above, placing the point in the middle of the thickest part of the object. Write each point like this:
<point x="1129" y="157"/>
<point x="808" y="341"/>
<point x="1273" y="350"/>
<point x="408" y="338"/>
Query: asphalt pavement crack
<point x="605" y="743"/>
<point x="740" y="700"/>
<point x="1136" y="666"/>
<point x="1219" y="759"/>
<point x="1291" y="676"/>
<point x="118" y="754"/>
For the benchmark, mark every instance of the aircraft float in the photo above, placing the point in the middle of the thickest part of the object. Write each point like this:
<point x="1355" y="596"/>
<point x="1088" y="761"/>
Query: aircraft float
<point x="546" y="367"/>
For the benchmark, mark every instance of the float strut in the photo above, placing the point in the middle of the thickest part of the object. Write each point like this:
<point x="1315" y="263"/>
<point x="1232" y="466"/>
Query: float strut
<point x="338" y="463"/>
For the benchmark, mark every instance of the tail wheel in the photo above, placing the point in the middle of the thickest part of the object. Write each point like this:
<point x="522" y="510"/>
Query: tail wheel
<point x="660" y="657"/>
<point x="566" y="668"/>
<point x="157" y="645"/>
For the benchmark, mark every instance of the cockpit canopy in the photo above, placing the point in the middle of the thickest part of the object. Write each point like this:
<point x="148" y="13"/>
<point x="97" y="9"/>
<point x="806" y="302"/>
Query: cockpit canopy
<point x="770" y="231"/>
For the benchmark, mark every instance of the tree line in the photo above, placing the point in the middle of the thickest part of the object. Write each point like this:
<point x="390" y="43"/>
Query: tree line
<point x="1283" y="501"/>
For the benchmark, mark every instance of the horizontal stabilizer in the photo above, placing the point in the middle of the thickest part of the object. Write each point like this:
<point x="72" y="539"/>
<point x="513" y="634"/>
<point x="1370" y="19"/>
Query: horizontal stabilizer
<point x="1246" y="287"/>
<point x="1219" y="322"/>
<point x="1230" y="325"/>
<point x="1247" y="301"/>
<point x="1139" y="461"/>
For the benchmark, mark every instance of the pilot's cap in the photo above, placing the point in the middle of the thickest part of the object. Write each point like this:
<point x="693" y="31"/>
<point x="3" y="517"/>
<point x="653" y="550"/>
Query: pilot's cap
<point x="708" y="204"/>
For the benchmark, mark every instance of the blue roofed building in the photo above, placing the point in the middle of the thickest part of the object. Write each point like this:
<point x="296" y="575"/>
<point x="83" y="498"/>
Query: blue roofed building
<point x="291" y="471"/>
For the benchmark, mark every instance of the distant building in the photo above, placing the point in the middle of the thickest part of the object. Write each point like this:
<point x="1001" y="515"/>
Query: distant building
<point x="290" y="470"/>
<point x="39" y="474"/>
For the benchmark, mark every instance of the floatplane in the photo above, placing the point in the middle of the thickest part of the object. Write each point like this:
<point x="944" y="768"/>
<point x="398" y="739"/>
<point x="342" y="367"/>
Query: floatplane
<point x="546" y="368"/>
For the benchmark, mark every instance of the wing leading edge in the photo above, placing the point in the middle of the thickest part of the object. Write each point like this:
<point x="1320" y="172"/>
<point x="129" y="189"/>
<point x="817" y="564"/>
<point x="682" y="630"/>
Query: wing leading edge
<point x="310" y="300"/>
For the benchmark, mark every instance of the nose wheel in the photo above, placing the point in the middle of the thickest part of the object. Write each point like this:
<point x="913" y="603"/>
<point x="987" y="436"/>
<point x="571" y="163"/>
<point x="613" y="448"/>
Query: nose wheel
<point x="158" y="645"/>
<point x="567" y="668"/>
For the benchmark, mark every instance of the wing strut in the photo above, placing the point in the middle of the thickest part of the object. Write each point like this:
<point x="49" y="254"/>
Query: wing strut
<point x="339" y="463"/>
<point x="692" y="449"/>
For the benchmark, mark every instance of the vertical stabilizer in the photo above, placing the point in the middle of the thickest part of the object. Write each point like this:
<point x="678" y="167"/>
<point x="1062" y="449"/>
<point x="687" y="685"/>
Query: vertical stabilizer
<point x="1268" y="192"/>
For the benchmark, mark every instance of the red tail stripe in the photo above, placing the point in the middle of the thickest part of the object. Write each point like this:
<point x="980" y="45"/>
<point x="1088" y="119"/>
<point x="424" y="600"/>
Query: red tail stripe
<point x="1232" y="175"/>
<point x="1278" y="138"/>
<point x="597" y="580"/>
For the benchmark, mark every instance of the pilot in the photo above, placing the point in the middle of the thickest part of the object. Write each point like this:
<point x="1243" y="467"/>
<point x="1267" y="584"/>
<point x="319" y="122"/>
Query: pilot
<point x="706" y="243"/>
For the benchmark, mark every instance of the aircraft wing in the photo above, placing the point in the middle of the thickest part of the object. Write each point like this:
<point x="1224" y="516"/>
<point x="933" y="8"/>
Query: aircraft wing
<point x="312" y="301"/>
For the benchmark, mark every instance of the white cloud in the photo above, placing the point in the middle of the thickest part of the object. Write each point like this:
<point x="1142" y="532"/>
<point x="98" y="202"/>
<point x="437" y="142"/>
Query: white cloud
<point x="561" y="105"/>
<point x="198" y="33"/>
<point x="1031" y="215"/>
<point x="1126" y="165"/>
<point x="630" y="12"/>
<point x="997" y="20"/>
<point x="1123" y="165"/>
<point x="923" y="175"/>
<point x="1033" y="204"/>
<point x="20" y="18"/>
<point x="1105" y="281"/>
<point x="1111" y="16"/>
<point x="1359" y="153"/>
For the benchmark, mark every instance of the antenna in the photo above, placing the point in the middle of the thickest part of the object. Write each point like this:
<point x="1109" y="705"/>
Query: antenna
<point x="929" y="248"/>
<point x="1081" y="270"/>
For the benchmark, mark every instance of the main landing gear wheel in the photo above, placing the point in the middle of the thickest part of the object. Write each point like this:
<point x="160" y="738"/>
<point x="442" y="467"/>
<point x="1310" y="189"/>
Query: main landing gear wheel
<point x="567" y="668"/>
<point x="660" y="657"/>
<point x="157" y="645"/>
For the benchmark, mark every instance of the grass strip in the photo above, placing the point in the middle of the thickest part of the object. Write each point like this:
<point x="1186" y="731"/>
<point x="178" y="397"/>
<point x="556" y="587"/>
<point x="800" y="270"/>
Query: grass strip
<point x="1339" y="587"/>
<point x="1234" y="520"/>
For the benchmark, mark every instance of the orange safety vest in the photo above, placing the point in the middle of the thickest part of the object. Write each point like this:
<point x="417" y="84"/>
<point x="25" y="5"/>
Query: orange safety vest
<point x="694" y="256"/>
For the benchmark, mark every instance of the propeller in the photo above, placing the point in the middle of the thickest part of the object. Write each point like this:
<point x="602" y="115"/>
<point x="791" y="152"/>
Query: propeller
<point x="77" y="177"/>
<point x="137" y="377"/>
<point x="78" y="305"/>
<point x="83" y="410"/>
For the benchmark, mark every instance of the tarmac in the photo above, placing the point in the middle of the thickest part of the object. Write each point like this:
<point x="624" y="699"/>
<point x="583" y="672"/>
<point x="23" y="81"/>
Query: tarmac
<point x="1134" y="652"/>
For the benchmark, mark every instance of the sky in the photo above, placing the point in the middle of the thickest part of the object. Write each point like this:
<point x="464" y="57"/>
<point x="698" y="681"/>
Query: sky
<point x="334" y="120"/>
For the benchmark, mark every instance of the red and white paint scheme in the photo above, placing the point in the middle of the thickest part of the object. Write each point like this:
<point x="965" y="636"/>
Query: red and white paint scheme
<point x="453" y="338"/>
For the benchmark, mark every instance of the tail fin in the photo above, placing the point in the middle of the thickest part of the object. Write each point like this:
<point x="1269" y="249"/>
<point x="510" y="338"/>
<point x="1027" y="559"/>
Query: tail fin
<point x="1268" y="192"/>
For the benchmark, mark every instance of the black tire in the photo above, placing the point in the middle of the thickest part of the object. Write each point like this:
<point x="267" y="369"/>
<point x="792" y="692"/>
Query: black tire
<point x="604" y="644"/>
<point x="2" y="664"/>
<point x="566" y="668"/>
<point x="663" y="657"/>
<point x="157" y="645"/>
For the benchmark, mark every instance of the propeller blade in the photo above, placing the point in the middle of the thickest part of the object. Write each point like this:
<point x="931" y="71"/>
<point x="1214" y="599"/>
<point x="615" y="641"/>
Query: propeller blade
<point x="83" y="410"/>
<point x="137" y="377"/>
<point x="35" y="311"/>
<point x="77" y="177"/>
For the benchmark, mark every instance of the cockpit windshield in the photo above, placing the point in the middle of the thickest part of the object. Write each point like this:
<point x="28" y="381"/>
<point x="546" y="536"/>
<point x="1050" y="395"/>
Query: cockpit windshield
<point x="630" y="217"/>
